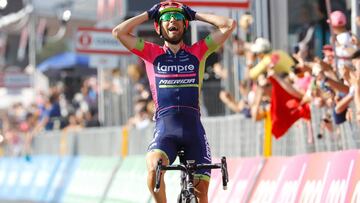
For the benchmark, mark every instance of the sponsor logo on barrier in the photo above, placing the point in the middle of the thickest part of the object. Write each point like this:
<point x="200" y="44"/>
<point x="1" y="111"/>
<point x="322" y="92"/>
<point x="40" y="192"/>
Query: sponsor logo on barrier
<point x="313" y="189"/>
<point x="290" y="188"/>
<point x="356" y="195"/>
<point x="338" y="188"/>
<point x="266" y="189"/>
<point x="243" y="173"/>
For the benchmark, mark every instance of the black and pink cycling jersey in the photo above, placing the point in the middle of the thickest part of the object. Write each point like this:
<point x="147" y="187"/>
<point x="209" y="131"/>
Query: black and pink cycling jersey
<point x="175" y="78"/>
<point x="175" y="82"/>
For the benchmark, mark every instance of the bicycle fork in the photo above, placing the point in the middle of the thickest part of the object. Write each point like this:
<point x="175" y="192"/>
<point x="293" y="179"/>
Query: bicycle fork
<point x="187" y="183"/>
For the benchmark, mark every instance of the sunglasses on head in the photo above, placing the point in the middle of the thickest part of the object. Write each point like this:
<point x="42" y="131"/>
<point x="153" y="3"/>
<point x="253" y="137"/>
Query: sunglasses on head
<point x="169" y="15"/>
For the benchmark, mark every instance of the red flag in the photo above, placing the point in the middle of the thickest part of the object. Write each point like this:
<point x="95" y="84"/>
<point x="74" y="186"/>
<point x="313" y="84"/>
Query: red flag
<point x="285" y="109"/>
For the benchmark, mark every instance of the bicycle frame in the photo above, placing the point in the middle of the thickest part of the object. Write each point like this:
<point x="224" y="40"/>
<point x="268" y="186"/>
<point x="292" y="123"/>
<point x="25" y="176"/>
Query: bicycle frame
<point x="188" y="169"/>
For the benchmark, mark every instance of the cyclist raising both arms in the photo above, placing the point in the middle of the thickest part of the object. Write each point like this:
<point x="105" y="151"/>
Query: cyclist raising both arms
<point x="175" y="72"/>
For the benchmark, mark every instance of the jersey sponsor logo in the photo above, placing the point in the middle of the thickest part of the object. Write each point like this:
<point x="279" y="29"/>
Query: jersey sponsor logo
<point x="208" y="151"/>
<point x="177" y="82"/>
<point x="175" y="68"/>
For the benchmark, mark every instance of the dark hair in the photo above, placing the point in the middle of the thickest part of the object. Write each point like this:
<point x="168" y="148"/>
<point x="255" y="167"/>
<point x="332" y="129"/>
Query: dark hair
<point x="294" y="59"/>
<point x="295" y="49"/>
<point x="356" y="54"/>
<point x="297" y="70"/>
<point x="322" y="6"/>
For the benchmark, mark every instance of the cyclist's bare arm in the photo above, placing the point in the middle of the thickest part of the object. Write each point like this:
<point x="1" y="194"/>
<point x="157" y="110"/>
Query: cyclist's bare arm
<point x="122" y="32"/>
<point x="225" y="26"/>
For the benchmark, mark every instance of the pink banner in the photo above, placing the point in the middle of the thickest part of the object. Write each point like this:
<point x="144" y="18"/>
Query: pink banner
<point x="269" y="179"/>
<point x="315" y="177"/>
<point x="214" y="181"/>
<point x="289" y="185"/>
<point x="327" y="177"/>
<point x="354" y="186"/>
<point x="320" y="177"/>
<point x="242" y="175"/>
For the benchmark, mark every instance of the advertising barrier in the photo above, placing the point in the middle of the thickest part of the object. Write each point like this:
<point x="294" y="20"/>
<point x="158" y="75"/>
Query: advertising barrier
<point x="320" y="177"/>
<point x="354" y="186"/>
<point x="290" y="183"/>
<point x="90" y="179"/>
<point x="327" y="177"/>
<point x="271" y="175"/>
<point x="243" y="173"/>
<point x="64" y="171"/>
<point x="8" y="176"/>
<point x="280" y="179"/>
<point x="130" y="182"/>
<point x="22" y="179"/>
<point x="35" y="177"/>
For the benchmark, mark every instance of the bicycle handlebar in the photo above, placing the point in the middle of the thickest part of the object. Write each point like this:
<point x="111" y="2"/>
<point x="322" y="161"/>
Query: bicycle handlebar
<point x="189" y="168"/>
<point x="180" y="167"/>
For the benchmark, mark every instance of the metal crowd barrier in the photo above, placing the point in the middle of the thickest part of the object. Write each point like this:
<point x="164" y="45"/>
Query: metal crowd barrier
<point x="105" y="141"/>
<point x="231" y="136"/>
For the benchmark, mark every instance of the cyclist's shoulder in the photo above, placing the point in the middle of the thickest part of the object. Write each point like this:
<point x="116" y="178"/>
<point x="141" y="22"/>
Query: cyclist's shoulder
<point x="203" y="46"/>
<point x="146" y="49"/>
<point x="141" y="43"/>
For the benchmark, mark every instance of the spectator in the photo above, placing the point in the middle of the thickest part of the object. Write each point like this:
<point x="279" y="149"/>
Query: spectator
<point x="91" y="119"/>
<point x="262" y="49"/>
<point x="355" y="82"/>
<point x="314" y="35"/>
<point x="74" y="124"/>
<point x="345" y="43"/>
<point x="52" y="118"/>
<point x="140" y="82"/>
<point x="141" y="118"/>
<point x="89" y="92"/>
<point x="245" y="22"/>
<point x="244" y="105"/>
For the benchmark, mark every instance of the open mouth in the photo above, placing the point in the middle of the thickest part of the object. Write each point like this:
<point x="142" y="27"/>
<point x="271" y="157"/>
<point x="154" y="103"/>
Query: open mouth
<point x="173" y="28"/>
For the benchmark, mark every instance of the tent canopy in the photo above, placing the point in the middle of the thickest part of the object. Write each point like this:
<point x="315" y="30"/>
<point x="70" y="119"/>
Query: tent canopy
<point x="63" y="61"/>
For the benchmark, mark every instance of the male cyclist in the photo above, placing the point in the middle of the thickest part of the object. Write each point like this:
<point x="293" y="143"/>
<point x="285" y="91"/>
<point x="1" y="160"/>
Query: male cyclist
<point x="175" y="72"/>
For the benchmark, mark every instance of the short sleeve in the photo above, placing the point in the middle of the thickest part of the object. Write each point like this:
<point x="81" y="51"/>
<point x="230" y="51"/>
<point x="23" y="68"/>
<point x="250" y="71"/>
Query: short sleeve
<point x="204" y="47"/>
<point x="211" y="45"/>
<point x="146" y="50"/>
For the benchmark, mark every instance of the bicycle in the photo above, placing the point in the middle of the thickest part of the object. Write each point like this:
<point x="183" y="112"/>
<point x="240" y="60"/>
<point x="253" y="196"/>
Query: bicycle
<point x="188" y="168"/>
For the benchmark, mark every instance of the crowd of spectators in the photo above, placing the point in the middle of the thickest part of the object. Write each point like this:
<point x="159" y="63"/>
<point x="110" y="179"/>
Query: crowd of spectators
<point x="49" y="111"/>
<point x="329" y="80"/>
<point x="144" y="107"/>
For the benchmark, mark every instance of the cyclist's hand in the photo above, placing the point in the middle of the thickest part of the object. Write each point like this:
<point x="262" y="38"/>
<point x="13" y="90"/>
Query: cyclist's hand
<point x="153" y="12"/>
<point x="189" y="13"/>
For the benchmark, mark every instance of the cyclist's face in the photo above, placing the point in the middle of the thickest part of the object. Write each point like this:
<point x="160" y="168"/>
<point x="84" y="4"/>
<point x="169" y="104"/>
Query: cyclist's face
<point x="172" y="25"/>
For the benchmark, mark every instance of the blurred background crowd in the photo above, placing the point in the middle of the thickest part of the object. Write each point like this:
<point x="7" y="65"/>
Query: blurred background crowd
<point x="325" y="74"/>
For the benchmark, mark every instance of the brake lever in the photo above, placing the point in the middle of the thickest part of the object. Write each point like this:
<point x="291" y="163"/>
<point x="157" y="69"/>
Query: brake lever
<point x="224" y="172"/>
